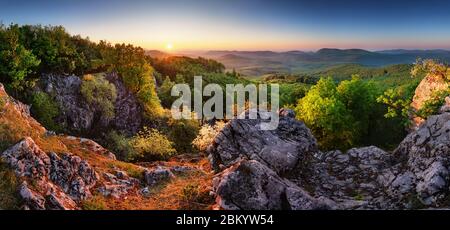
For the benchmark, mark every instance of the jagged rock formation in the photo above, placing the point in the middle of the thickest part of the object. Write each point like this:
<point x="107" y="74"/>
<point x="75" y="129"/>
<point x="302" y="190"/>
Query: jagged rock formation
<point x="283" y="169"/>
<point x="78" y="115"/>
<point x="56" y="181"/>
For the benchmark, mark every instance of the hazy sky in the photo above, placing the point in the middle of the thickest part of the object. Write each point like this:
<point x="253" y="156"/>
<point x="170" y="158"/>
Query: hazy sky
<point x="245" y="24"/>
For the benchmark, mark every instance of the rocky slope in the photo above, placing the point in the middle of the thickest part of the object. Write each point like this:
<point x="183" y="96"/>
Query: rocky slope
<point x="283" y="169"/>
<point x="65" y="172"/>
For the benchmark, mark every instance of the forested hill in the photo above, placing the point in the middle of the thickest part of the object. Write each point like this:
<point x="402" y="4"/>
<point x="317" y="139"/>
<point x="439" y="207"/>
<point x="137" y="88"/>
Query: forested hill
<point x="255" y="63"/>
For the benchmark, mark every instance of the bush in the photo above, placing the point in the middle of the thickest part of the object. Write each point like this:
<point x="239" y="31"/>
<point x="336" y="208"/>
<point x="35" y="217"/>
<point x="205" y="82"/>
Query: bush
<point x="206" y="135"/>
<point x="150" y="144"/>
<point x="6" y="137"/>
<point x="100" y="93"/>
<point x="45" y="109"/>
<point x="119" y="144"/>
<point x="8" y="188"/>
<point x="182" y="132"/>
<point x="432" y="105"/>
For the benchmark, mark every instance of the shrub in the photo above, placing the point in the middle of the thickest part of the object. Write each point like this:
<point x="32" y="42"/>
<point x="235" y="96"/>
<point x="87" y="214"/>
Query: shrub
<point x="45" y="109"/>
<point x="119" y="144"/>
<point x="432" y="105"/>
<point x="206" y="135"/>
<point x="2" y="103"/>
<point x="8" y="188"/>
<point x="6" y="138"/>
<point x="150" y="144"/>
<point x="182" y="132"/>
<point x="100" y="93"/>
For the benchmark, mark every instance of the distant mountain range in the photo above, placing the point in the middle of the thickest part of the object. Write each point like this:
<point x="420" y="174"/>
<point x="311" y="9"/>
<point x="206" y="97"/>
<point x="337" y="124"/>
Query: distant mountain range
<point x="255" y="63"/>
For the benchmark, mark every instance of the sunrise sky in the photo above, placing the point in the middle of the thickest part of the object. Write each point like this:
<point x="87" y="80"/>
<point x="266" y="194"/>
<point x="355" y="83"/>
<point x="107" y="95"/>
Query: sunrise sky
<point x="179" y="25"/>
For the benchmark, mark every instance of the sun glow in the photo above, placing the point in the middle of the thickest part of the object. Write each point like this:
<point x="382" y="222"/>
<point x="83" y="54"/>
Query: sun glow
<point x="169" y="46"/>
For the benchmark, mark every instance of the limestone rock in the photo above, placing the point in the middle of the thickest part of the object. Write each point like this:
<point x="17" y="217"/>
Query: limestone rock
<point x="430" y="84"/>
<point x="58" y="181"/>
<point x="281" y="149"/>
<point x="157" y="175"/>
<point x="252" y="175"/>
<point x="78" y="115"/>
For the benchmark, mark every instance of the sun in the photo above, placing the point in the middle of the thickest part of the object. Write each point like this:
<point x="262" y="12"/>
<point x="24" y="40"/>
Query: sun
<point x="169" y="46"/>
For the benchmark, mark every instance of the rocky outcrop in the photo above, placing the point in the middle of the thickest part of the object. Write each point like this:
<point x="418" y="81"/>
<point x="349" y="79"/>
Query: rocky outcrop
<point x="281" y="149"/>
<point x="283" y="169"/>
<point x="57" y="181"/>
<point x="78" y="115"/>
<point x="431" y="84"/>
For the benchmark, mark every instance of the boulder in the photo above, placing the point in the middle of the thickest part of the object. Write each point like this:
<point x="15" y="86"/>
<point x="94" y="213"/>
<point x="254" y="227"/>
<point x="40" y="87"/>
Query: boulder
<point x="250" y="184"/>
<point x="157" y="175"/>
<point x="281" y="149"/>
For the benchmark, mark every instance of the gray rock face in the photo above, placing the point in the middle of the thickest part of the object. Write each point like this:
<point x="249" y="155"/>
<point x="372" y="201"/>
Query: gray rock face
<point x="283" y="169"/>
<point x="117" y="185"/>
<point x="73" y="175"/>
<point x="128" y="112"/>
<point x="425" y="155"/>
<point x="78" y="115"/>
<point x="157" y="175"/>
<point x="59" y="181"/>
<point x="252" y="185"/>
<point x="281" y="149"/>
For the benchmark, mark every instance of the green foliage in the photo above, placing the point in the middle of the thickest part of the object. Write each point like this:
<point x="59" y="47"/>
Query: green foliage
<point x="164" y="93"/>
<point x="6" y="137"/>
<point x="120" y="145"/>
<point x="2" y="103"/>
<point x="16" y="62"/>
<point x="45" y="109"/>
<point x="98" y="92"/>
<point x="290" y="93"/>
<point x="398" y="105"/>
<point x="432" y="105"/>
<point x="339" y="116"/>
<point x="326" y="115"/>
<point x="186" y="67"/>
<point x="150" y="144"/>
<point x="9" y="198"/>
<point x="182" y="132"/>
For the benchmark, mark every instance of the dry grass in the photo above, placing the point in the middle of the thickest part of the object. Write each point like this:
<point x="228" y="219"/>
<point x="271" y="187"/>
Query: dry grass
<point x="170" y="196"/>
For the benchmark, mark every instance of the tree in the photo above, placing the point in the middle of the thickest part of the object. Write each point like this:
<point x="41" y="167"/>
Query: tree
<point x="16" y="62"/>
<point x="164" y="93"/>
<point x="340" y="116"/>
<point x="45" y="109"/>
<point x="326" y="115"/>
<point x="359" y="97"/>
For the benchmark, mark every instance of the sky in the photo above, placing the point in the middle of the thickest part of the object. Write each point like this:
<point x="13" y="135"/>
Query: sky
<point x="182" y="25"/>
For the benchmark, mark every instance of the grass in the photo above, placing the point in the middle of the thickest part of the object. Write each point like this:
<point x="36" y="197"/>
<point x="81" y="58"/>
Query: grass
<point x="96" y="202"/>
<point x="131" y="169"/>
